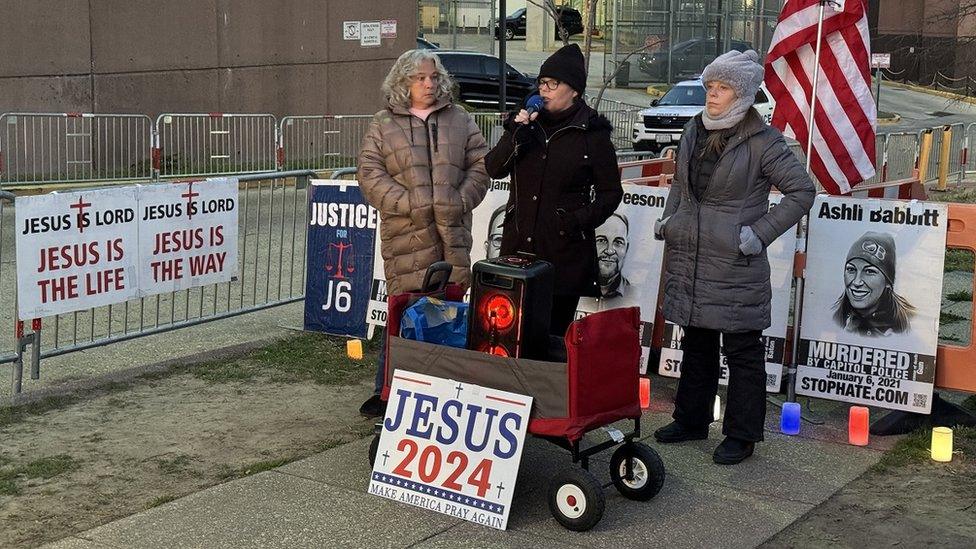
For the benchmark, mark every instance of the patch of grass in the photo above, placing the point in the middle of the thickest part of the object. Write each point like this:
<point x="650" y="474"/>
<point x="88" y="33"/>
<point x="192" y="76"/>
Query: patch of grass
<point x="961" y="295"/>
<point x="962" y="195"/>
<point x="959" y="260"/>
<point x="161" y="500"/>
<point x="314" y="357"/>
<point x="225" y="371"/>
<point x="970" y="403"/>
<point x="174" y="465"/>
<point x="47" y="467"/>
<point x="947" y="317"/>
<point x="914" y="448"/>
<point x="116" y="402"/>
<point x="52" y="466"/>
<point x="261" y="466"/>
<point x="10" y="415"/>
<point x="8" y="487"/>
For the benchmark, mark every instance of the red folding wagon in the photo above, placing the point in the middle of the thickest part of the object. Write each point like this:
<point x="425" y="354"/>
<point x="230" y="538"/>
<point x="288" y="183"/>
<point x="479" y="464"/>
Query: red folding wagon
<point x="596" y="386"/>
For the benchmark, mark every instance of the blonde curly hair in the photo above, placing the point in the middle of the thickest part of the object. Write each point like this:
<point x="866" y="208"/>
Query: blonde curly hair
<point x="396" y="85"/>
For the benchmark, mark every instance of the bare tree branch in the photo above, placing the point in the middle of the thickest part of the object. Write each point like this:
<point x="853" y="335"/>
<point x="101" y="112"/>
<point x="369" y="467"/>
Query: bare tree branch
<point x="620" y="65"/>
<point x="549" y="6"/>
<point x="588" y="27"/>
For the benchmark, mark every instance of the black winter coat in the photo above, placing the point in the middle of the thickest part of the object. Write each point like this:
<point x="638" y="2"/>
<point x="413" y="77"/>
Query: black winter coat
<point x="563" y="186"/>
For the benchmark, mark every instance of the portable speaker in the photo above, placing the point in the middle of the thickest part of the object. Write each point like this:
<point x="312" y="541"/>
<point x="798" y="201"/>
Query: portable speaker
<point x="511" y="300"/>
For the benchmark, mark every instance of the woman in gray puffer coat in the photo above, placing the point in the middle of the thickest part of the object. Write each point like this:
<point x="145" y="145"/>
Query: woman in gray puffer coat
<point x="716" y="226"/>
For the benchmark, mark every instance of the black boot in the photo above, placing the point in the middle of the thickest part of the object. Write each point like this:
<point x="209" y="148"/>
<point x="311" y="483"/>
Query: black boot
<point x="373" y="407"/>
<point x="732" y="451"/>
<point x="676" y="432"/>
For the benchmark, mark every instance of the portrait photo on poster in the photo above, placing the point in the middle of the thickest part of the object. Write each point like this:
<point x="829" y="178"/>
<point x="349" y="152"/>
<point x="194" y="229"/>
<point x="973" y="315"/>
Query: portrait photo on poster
<point x="872" y="281"/>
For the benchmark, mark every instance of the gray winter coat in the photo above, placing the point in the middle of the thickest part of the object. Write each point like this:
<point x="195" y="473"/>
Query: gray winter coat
<point x="708" y="282"/>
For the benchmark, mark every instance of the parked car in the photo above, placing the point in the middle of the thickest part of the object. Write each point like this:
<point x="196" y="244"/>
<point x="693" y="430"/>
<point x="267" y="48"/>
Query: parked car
<point x="661" y="125"/>
<point x="477" y="78"/>
<point x="571" y="19"/>
<point x="424" y="44"/>
<point x="688" y="58"/>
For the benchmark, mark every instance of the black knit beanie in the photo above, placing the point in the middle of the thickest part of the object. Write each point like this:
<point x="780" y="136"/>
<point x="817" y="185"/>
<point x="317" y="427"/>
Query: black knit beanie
<point x="566" y="65"/>
<point x="878" y="249"/>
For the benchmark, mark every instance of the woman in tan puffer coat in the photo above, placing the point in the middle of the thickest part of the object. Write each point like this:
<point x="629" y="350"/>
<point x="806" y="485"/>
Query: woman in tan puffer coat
<point x="422" y="166"/>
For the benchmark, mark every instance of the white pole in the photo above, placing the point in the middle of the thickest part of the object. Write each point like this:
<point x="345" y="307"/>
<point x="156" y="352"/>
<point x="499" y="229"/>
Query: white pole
<point x="816" y="77"/>
<point x="801" y="226"/>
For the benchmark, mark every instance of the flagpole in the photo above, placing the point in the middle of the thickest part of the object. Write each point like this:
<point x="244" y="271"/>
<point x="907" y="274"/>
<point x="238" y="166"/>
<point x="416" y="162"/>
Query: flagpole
<point x="816" y="77"/>
<point x="802" y="226"/>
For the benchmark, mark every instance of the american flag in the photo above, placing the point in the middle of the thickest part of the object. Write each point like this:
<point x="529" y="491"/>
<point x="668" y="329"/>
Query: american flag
<point x="844" y="119"/>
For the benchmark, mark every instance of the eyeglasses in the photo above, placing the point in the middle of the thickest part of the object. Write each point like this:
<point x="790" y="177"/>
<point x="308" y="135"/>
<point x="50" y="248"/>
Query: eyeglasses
<point x="434" y="78"/>
<point x="549" y="83"/>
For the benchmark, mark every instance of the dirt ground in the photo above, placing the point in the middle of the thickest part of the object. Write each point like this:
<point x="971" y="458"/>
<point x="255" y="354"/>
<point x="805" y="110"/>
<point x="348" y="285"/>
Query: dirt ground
<point x="72" y="463"/>
<point x="907" y="500"/>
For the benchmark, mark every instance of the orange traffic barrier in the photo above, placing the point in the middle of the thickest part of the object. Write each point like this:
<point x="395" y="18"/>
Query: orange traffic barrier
<point x="956" y="365"/>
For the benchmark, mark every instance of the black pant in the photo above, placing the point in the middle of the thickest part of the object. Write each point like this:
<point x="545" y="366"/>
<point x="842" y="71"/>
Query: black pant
<point x="745" y="411"/>
<point x="563" y="313"/>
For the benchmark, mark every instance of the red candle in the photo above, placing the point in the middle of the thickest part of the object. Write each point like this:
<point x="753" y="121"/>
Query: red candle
<point x="645" y="392"/>
<point x="857" y="426"/>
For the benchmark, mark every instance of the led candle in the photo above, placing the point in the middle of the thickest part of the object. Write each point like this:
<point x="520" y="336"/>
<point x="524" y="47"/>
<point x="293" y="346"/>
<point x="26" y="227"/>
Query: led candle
<point x="942" y="444"/>
<point x="645" y="392"/>
<point x="789" y="422"/>
<point x="857" y="426"/>
<point x="354" y="348"/>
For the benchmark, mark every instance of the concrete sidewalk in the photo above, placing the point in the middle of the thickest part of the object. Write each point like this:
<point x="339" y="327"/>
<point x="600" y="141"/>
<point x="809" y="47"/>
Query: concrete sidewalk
<point x="321" y="501"/>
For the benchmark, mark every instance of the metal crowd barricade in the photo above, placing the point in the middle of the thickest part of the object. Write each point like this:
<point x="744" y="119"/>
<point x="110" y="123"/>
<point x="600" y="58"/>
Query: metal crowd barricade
<point x="622" y="116"/>
<point x="968" y="161"/>
<point x="957" y="162"/>
<point x="273" y="222"/>
<point x="57" y="148"/>
<point x="320" y="142"/>
<point x="8" y="277"/>
<point x="900" y="155"/>
<point x="490" y="124"/>
<point x="188" y="145"/>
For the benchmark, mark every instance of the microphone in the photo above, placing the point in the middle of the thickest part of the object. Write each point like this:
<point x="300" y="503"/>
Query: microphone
<point x="534" y="104"/>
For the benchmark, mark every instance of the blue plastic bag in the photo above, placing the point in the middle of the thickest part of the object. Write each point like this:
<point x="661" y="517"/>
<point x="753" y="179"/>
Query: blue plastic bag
<point x="436" y="321"/>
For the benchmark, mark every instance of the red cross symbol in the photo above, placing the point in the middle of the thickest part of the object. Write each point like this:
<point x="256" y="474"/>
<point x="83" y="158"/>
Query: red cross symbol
<point x="188" y="195"/>
<point x="81" y="205"/>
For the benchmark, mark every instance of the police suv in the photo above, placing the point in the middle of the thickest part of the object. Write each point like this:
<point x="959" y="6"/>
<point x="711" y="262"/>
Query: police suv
<point x="660" y="126"/>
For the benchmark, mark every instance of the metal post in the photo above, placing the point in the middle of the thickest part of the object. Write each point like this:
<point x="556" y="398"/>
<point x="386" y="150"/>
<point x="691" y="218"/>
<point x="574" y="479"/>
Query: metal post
<point x="801" y="236"/>
<point x="613" y="44"/>
<point x="502" y="73"/>
<point x="877" y="93"/>
<point x="491" y="29"/>
<point x="671" y="40"/>
<point x="944" y="150"/>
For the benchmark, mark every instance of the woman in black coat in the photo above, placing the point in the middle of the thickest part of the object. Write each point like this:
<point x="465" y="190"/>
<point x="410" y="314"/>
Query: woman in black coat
<point x="564" y="182"/>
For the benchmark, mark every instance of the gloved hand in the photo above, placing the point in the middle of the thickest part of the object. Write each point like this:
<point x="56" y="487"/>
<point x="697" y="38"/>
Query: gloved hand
<point x="749" y="243"/>
<point x="659" y="227"/>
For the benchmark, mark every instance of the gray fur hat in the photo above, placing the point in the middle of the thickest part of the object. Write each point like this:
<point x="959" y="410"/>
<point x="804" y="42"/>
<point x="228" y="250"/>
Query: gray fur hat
<point x="741" y="70"/>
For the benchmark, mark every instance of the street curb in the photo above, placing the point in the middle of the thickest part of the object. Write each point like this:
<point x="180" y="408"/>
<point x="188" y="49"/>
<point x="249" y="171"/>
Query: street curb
<point x="930" y="91"/>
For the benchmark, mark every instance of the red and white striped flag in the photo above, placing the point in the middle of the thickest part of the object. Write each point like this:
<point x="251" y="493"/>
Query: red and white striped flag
<point x="844" y="118"/>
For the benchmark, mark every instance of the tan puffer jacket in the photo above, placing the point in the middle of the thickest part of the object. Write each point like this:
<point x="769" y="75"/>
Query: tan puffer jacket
<point x="424" y="178"/>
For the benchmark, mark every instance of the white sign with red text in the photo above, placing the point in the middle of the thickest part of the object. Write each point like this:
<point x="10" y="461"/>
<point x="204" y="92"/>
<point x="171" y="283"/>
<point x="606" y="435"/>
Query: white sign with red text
<point x="449" y="447"/>
<point x="187" y="235"/>
<point x="92" y="248"/>
<point x="76" y="250"/>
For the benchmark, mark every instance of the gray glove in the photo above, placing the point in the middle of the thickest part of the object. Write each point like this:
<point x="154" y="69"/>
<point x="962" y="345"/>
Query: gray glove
<point x="659" y="228"/>
<point x="749" y="243"/>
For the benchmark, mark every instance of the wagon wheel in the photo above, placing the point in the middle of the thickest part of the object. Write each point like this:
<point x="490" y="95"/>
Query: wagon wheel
<point x="647" y="471"/>
<point x="576" y="499"/>
<point x="374" y="445"/>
